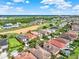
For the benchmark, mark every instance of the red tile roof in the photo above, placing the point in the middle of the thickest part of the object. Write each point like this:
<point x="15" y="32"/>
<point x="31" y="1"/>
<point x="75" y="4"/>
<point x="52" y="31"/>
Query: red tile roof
<point x="62" y="40"/>
<point x="58" y="42"/>
<point x="31" y="36"/>
<point x="35" y="33"/>
<point x="25" y="55"/>
<point x="40" y="53"/>
<point x="73" y="34"/>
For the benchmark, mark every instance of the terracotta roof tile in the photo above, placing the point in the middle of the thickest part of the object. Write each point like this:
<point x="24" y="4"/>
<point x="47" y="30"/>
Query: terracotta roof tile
<point x="25" y="55"/>
<point x="73" y="34"/>
<point x="51" y="48"/>
<point x="58" y="42"/>
<point x="31" y="36"/>
<point x="62" y="40"/>
<point x="40" y="53"/>
<point x="35" y="33"/>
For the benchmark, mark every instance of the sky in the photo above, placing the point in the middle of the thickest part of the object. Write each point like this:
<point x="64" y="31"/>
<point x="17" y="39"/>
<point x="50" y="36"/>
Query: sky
<point x="39" y="7"/>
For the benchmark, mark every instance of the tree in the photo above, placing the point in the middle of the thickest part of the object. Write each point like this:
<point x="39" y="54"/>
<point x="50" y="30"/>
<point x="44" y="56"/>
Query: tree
<point x="52" y="35"/>
<point x="53" y="56"/>
<point x="76" y="43"/>
<point x="45" y="37"/>
<point x="50" y="25"/>
<point x="32" y="43"/>
<point x="44" y="27"/>
<point x="3" y="36"/>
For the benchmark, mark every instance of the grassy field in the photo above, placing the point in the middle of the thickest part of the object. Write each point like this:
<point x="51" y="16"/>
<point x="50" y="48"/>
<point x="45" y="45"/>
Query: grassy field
<point x="14" y="44"/>
<point x="24" y="30"/>
<point x="75" y="55"/>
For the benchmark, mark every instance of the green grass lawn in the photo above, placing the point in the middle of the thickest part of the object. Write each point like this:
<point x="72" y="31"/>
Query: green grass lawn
<point x="75" y="55"/>
<point x="14" y="44"/>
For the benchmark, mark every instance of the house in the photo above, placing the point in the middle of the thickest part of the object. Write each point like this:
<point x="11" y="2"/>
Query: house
<point x="63" y="24"/>
<point x="75" y="24"/>
<point x="66" y="52"/>
<point x="45" y="31"/>
<point x="4" y="55"/>
<point x="35" y="33"/>
<point x="38" y="34"/>
<point x="75" y="27"/>
<point x="14" y="53"/>
<point x="3" y="49"/>
<point x="55" y="45"/>
<point x="31" y="36"/>
<point x="3" y="44"/>
<point x="54" y="28"/>
<point x="7" y="26"/>
<point x="51" y="48"/>
<point x="1" y="17"/>
<point x="48" y="31"/>
<point x="71" y="35"/>
<point x="22" y="38"/>
<point x="24" y="55"/>
<point x="16" y="25"/>
<point x="37" y="22"/>
<point x="10" y="25"/>
<point x="40" y="53"/>
<point x="67" y="37"/>
<point x="58" y="42"/>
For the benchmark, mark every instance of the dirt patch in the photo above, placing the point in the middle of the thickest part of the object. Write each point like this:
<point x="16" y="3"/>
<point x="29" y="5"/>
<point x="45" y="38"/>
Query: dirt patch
<point x="23" y="30"/>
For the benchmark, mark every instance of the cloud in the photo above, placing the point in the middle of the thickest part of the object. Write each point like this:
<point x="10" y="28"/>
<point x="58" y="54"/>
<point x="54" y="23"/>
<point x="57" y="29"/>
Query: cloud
<point x="63" y="5"/>
<point x="58" y="3"/>
<point x="18" y="1"/>
<point x="47" y="1"/>
<point x="9" y="10"/>
<point x="5" y="9"/>
<point x="55" y="11"/>
<point x="44" y="7"/>
<point x="19" y="9"/>
<point x="27" y="2"/>
<point x="76" y="7"/>
<point x="34" y="13"/>
<point x="64" y="12"/>
<point x="8" y="3"/>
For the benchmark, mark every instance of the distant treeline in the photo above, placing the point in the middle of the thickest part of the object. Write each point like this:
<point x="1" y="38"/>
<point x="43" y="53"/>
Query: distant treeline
<point x="24" y="19"/>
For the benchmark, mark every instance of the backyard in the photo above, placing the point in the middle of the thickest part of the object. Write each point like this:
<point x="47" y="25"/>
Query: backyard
<point x="75" y="55"/>
<point x="14" y="44"/>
